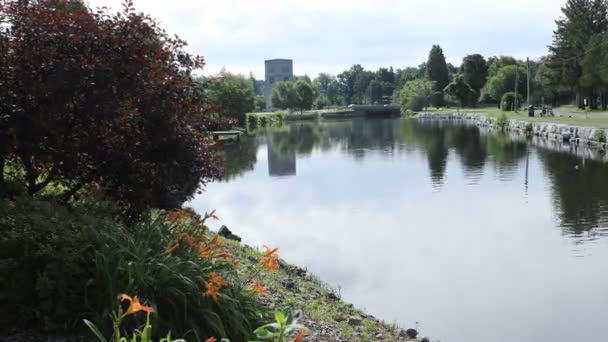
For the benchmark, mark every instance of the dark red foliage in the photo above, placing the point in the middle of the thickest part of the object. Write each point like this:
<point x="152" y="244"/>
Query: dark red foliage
<point x="92" y="97"/>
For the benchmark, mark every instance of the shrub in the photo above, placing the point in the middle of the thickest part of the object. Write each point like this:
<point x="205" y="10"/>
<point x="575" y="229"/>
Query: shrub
<point x="502" y="121"/>
<point x="93" y="97"/>
<point x="599" y="135"/>
<point x="437" y="99"/>
<point x="43" y="246"/>
<point x="415" y="95"/>
<point x="67" y="265"/>
<point x="508" y="100"/>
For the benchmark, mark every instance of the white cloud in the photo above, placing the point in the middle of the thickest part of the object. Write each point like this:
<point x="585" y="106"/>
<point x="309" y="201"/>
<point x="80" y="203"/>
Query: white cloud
<point x="327" y="36"/>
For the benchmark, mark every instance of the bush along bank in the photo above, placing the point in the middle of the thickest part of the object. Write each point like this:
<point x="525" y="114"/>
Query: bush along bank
<point x="589" y="136"/>
<point x="258" y="120"/>
<point x="167" y="275"/>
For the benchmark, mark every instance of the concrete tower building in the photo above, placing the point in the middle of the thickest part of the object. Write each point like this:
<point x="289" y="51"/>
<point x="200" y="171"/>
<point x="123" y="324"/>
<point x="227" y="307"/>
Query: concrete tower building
<point x="276" y="70"/>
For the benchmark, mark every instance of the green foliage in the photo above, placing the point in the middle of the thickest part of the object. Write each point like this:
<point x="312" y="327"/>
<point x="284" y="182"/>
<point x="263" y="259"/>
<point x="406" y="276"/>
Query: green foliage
<point x="354" y="83"/>
<point x="304" y="94"/>
<point x="143" y="334"/>
<point x="283" y="326"/>
<point x="110" y="103"/>
<point x="502" y="121"/>
<point x="474" y="70"/>
<point x="415" y="95"/>
<point x="234" y="94"/>
<point x="69" y="264"/>
<point x="572" y="55"/>
<point x="504" y="81"/>
<point x="507" y="102"/>
<point x="437" y="69"/>
<point x="293" y="95"/>
<point x="437" y="99"/>
<point x="459" y="90"/>
<point x="260" y="103"/>
<point x="496" y="63"/>
<point x="43" y="246"/>
<point x="599" y="135"/>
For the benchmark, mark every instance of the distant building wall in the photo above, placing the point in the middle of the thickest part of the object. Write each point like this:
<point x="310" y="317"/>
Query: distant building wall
<point x="276" y="70"/>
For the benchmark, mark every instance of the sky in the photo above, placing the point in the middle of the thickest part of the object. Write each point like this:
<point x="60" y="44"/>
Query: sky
<point x="331" y="35"/>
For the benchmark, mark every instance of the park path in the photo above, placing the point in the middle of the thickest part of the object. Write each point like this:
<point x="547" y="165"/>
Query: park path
<point x="567" y="113"/>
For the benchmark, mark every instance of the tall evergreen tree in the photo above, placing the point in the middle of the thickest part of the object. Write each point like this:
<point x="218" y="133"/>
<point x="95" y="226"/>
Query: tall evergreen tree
<point x="437" y="69"/>
<point x="582" y="19"/>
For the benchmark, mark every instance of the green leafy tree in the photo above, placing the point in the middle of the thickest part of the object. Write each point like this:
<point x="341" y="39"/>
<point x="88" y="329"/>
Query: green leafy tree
<point x="504" y="81"/>
<point x="234" y="94"/>
<point x="354" y="83"/>
<point x="437" y="70"/>
<point x="547" y="81"/>
<point x="507" y="101"/>
<point x="293" y="94"/>
<point x="497" y="62"/>
<point x="474" y="70"/>
<point x="460" y="90"/>
<point x="260" y="103"/>
<point x="415" y="95"/>
<point x="452" y="71"/>
<point x="304" y="96"/>
<point x="375" y="92"/>
<point x="594" y="70"/>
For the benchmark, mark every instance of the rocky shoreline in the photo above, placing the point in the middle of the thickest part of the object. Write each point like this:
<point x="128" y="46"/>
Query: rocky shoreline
<point x="326" y="314"/>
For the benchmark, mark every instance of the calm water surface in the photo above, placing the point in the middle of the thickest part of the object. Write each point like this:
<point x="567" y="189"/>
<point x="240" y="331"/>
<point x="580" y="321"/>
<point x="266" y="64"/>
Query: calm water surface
<point x="476" y="235"/>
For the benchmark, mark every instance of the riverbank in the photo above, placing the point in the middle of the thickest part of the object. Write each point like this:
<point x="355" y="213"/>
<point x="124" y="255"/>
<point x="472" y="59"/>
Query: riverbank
<point x="326" y="314"/>
<point x="592" y="137"/>
<point x="82" y="253"/>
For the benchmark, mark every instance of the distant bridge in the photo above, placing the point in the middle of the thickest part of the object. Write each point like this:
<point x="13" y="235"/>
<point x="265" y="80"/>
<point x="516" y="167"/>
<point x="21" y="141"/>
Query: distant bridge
<point x="377" y="109"/>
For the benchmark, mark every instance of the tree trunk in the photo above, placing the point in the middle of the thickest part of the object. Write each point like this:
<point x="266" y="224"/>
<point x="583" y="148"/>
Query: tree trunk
<point x="580" y="102"/>
<point x="592" y="99"/>
<point x="2" y="162"/>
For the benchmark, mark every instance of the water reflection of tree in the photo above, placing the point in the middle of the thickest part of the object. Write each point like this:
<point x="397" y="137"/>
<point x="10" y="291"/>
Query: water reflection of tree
<point x="359" y="137"/>
<point x="437" y="154"/>
<point x="472" y="146"/>
<point x="580" y="196"/>
<point x="506" y="152"/>
<point x="239" y="157"/>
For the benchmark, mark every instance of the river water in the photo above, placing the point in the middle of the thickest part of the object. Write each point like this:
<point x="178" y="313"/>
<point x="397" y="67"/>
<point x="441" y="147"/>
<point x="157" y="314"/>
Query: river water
<point x="472" y="235"/>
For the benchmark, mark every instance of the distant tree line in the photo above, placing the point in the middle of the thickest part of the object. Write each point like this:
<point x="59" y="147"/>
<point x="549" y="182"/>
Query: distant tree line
<point x="575" y="70"/>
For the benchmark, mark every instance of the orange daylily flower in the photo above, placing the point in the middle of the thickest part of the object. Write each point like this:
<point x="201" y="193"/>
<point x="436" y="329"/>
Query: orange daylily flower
<point x="269" y="251"/>
<point x="211" y="339"/>
<point x="214" y="285"/>
<point x="210" y="249"/>
<point x="270" y="259"/>
<point x="172" y="249"/>
<point x="135" y="305"/>
<point x="191" y="240"/>
<point x="300" y="336"/>
<point x="177" y="215"/>
<point x="258" y="288"/>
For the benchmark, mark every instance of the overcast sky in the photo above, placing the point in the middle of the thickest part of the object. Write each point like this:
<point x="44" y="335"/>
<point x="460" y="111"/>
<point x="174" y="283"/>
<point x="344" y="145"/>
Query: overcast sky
<point x="330" y="35"/>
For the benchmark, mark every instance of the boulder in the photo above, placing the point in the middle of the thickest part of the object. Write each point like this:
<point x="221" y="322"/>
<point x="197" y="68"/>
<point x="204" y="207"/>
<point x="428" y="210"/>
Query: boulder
<point x="225" y="232"/>
<point x="355" y="320"/>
